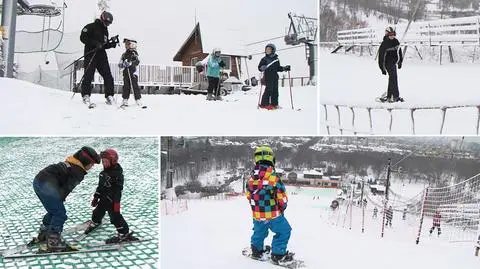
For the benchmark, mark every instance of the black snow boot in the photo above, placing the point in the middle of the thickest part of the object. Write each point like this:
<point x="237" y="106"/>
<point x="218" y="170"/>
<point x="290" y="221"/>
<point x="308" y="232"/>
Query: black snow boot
<point x="42" y="234"/>
<point x="120" y="238"/>
<point x="284" y="259"/>
<point x="55" y="243"/>
<point x="257" y="254"/>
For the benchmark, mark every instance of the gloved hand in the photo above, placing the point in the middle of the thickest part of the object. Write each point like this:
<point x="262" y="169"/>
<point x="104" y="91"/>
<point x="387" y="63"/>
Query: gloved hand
<point x="399" y="65"/>
<point x="221" y="64"/>
<point x="95" y="201"/>
<point x="127" y="63"/>
<point x="286" y="68"/>
<point x="263" y="68"/>
<point x="384" y="72"/>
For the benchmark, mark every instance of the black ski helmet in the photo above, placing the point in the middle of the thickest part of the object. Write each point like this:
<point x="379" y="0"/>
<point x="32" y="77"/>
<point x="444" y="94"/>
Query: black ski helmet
<point x="111" y="155"/>
<point x="87" y="155"/>
<point x="272" y="46"/>
<point x="106" y="17"/>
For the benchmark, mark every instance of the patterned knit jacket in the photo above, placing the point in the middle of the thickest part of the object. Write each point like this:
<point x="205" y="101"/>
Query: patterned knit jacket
<point x="266" y="193"/>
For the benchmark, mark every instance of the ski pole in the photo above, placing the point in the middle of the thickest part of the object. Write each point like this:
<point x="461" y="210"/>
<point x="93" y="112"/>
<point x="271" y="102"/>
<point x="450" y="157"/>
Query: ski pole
<point x="83" y="76"/>
<point x="86" y="54"/>
<point x="260" y="94"/>
<point x="290" y="84"/>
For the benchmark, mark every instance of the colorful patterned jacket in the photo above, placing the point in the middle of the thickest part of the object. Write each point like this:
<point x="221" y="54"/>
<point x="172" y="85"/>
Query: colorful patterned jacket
<point x="266" y="193"/>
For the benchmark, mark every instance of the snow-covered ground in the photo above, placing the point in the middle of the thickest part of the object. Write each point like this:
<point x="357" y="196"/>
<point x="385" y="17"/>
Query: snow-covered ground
<point x="30" y="109"/>
<point x="21" y="211"/>
<point x="211" y="234"/>
<point x="356" y="81"/>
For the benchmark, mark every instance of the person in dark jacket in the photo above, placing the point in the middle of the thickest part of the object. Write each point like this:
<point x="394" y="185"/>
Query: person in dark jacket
<point x="52" y="185"/>
<point x="389" y="57"/>
<point x="95" y="37"/>
<point x="129" y="62"/>
<point x="270" y="66"/>
<point x="107" y="198"/>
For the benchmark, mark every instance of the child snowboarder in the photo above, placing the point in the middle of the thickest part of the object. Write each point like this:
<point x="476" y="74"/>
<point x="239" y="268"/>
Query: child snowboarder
<point x="129" y="62"/>
<point x="270" y="66"/>
<point x="375" y="211"/>
<point x="52" y="185"/>
<point x="389" y="215"/>
<point x="107" y="198"/>
<point x="436" y="223"/>
<point x="214" y="64"/>
<point x="389" y="57"/>
<point x="267" y="196"/>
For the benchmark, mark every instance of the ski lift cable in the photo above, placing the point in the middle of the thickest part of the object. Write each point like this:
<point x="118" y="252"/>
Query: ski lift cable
<point x="294" y="47"/>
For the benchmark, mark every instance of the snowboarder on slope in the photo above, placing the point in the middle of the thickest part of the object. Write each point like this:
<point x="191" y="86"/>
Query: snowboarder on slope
<point x="95" y="37"/>
<point x="436" y="223"/>
<point x="389" y="57"/>
<point x="214" y="64"/>
<point x="267" y="196"/>
<point x="52" y="185"/>
<point x="129" y="62"/>
<point x="270" y="66"/>
<point x="107" y="198"/>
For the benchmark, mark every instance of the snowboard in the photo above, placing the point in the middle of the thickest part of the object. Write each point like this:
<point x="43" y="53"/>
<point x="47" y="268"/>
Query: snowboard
<point x="247" y="252"/>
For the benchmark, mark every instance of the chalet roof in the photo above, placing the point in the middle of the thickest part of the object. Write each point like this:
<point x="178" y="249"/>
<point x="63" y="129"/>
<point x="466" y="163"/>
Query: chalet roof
<point x="215" y="36"/>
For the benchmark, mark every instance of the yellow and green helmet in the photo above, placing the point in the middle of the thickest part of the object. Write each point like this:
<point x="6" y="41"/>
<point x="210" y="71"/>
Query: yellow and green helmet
<point x="264" y="153"/>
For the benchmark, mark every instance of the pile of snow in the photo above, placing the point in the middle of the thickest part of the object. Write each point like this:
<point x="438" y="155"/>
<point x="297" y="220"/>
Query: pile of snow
<point x="32" y="109"/>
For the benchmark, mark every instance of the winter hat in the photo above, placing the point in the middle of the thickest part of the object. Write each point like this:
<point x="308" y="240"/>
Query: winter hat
<point x="274" y="49"/>
<point x="389" y="31"/>
<point x="106" y="17"/>
<point x="111" y="155"/>
<point x="87" y="155"/>
<point x="264" y="154"/>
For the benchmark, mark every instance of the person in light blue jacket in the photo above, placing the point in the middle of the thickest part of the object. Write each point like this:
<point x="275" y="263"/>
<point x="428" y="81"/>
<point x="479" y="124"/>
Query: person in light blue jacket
<point x="214" y="65"/>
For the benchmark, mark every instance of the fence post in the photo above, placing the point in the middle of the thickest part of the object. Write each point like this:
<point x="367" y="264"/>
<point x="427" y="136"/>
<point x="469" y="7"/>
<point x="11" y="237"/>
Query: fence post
<point x="478" y="118"/>
<point x="339" y="120"/>
<point x="369" y="109"/>
<point x="328" y="127"/>
<point x="353" y="120"/>
<point x="444" y="111"/>
<point x="413" y="120"/>
<point x="391" y="120"/>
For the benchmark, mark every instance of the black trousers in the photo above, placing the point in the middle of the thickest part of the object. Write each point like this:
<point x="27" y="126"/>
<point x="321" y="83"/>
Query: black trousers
<point x="99" y="63"/>
<point x="116" y="218"/>
<point x="392" y="90"/>
<point x="439" y="230"/>
<point x="213" y="85"/>
<point x="130" y="81"/>
<point x="270" y="95"/>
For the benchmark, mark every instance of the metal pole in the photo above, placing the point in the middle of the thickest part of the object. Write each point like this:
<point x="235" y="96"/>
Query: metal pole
<point x="386" y="196"/>
<point x="363" y="207"/>
<point x="9" y="18"/>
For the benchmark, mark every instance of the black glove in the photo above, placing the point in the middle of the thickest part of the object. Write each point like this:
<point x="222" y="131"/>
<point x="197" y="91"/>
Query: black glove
<point x="110" y="45"/>
<point x="221" y="64"/>
<point x="399" y="65"/>
<point x="286" y="68"/>
<point x="384" y="72"/>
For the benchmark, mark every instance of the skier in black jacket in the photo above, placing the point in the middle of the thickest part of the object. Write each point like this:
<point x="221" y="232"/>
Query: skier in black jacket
<point x="107" y="198"/>
<point x="129" y="62"/>
<point x="389" y="57"/>
<point x="95" y="37"/>
<point x="52" y="185"/>
<point x="270" y="65"/>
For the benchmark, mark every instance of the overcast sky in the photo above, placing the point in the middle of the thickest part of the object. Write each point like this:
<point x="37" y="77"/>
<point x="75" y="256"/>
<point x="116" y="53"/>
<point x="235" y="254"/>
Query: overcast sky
<point x="160" y="27"/>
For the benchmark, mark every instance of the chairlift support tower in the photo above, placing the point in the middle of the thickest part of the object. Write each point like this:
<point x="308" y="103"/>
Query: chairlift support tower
<point x="303" y="30"/>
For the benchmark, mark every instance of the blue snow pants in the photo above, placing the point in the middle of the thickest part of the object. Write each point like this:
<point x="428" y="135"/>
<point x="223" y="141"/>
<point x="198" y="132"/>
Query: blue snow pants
<point x="279" y="226"/>
<point x="56" y="213"/>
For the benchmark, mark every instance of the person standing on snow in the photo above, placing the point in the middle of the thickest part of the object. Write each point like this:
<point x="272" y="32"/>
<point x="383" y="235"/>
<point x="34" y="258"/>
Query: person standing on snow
<point x="389" y="57"/>
<point x="107" y="198"/>
<point x="95" y="37"/>
<point x="214" y="64"/>
<point x="436" y="223"/>
<point x="129" y="62"/>
<point x="270" y="66"/>
<point x="267" y="196"/>
<point x="52" y="185"/>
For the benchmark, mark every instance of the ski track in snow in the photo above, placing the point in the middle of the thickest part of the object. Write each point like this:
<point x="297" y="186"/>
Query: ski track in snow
<point x="354" y="80"/>
<point x="212" y="234"/>
<point x="45" y="111"/>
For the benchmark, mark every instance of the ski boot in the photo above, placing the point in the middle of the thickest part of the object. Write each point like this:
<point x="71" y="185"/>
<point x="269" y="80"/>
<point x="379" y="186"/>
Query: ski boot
<point x="124" y="103"/>
<point x="284" y="259"/>
<point x="109" y="100"/>
<point x="42" y="234"/>
<point x="260" y="254"/>
<point x="55" y="243"/>
<point x="121" y="238"/>
<point x="86" y="99"/>
<point x="91" y="226"/>
<point x="139" y="102"/>
<point x="210" y="97"/>
<point x="384" y="99"/>
<point x="218" y="98"/>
